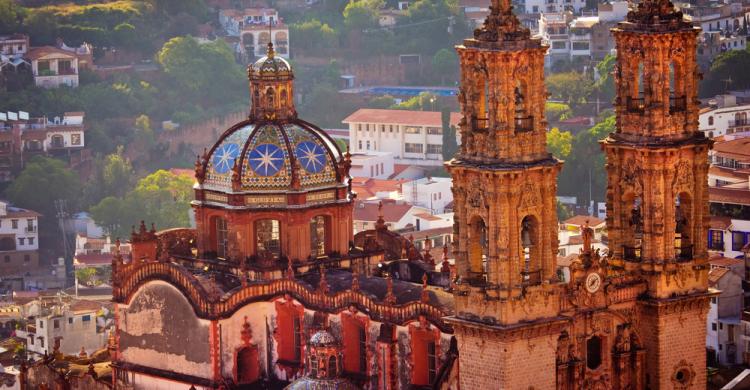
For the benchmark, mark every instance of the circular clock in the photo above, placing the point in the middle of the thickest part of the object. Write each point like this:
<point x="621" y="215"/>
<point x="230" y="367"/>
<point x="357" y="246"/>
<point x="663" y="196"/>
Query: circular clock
<point x="593" y="282"/>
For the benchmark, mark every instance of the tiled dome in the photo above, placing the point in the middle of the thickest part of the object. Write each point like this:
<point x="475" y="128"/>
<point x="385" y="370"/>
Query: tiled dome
<point x="265" y="155"/>
<point x="323" y="339"/>
<point x="270" y="67"/>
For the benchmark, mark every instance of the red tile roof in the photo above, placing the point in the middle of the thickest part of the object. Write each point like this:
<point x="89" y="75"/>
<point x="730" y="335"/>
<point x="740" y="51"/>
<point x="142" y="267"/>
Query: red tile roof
<point x="36" y="53"/>
<point x="401" y="117"/>
<point x="726" y="172"/>
<point x="422" y="234"/>
<point x="366" y="187"/>
<point x="580" y="220"/>
<point x="737" y="148"/>
<point x="729" y="195"/>
<point x="82" y="305"/>
<point x="392" y="212"/>
<point x="93" y="259"/>
<point x="720" y="222"/>
<point x="716" y="274"/>
<point x="721" y="261"/>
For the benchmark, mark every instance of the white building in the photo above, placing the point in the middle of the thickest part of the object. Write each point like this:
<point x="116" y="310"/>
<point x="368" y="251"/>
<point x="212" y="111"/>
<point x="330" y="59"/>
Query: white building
<point x="73" y="323"/>
<point x="724" y="116"/>
<point x="256" y="27"/>
<point x="723" y="328"/>
<point x="397" y="215"/>
<point x="553" y="28"/>
<point x="714" y="16"/>
<point x="432" y="193"/>
<point x="19" y="240"/>
<point x="413" y="137"/>
<point x="372" y="164"/>
<point x="53" y="67"/>
<point x="553" y="6"/>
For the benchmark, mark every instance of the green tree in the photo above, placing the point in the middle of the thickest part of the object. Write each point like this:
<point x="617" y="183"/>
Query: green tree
<point x="572" y="88"/>
<point x="362" y="14"/>
<point x="450" y="146"/>
<point x="196" y="8"/>
<point x="585" y="163"/>
<point x="563" y="212"/>
<point x="162" y="198"/>
<point x="126" y="36"/>
<point x="313" y="34"/>
<point x="731" y="65"/>
<point x="445" y="63"/>
<point x="86" y="275"/>
<point x="425" y="101"/>
<point x="559" y="143"/>
<point x="43" y="181"/>
<point x="605" y="86"/>
<point x="11" y="16"/>
<point x="557" y="111"/>
<point x="383" y="101"/>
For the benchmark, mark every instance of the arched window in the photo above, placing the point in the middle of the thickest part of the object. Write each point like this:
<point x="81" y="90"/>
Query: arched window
<point x="283" y="98"/>
<point x="248" y="369"/>
<point x="594" y="352"/>
<point x="478" y="250"/>
<point x="270" y="99"/>
<point x="683" y="225"/>
<point x="267" y="238"/>
<point x="355" y="345"/>
<point x="313" y="365"/>
<point x="523" y="121"/>
<point x="633" y="228"/>
<point x="333" y="369"/>
<point x="318" y="236"/>
<point x="530" y="269"/>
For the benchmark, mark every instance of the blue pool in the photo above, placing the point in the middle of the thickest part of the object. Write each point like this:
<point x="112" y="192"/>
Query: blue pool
<point x="412" y="91"/>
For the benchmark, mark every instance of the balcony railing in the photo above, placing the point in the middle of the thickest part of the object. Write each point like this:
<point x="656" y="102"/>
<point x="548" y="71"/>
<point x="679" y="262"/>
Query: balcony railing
<point x="739" y="123"/>
<point x="30" y="229"/>
<point x="480" y="123"/>
<point x="630" y="253"/>
<point x="677" y="104"/>
<point x="635" y="104"/>
<point x="684" y="253"/>
<point x="524" y="124"/>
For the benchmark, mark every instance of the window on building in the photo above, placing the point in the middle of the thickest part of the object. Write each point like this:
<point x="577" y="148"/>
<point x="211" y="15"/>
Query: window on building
<point x="70" y="320"/>
<point x="594" y="352"/>
<point x="297" y="339"/>
<point x="434" y="130"/>
<point x="713" y="300"/>
<point x="41" y="324"/>
<point x="31" y="240"/>
<point x="412" y="130"/>
<point x="43" y="67"/>
<point x="368" y="145"/>
<point x="7" y="244"/>
<point x="580" y="45"/>
<point x="267" y="235"/>
<point x="359" y="127"/>
<point x="318" y="236"/>
<point x="730" y="333"/>
<point x="56" y="324"/>
<point x="86" y="318"/>
<point x="721" y="347"/>
<point x="382" y="128"/>
<point x="367" y="127"/>
<point x="220" y="226"/>
<point x="413" y="148"/>
<point x="41" y="342"/>
<point x="434" y="149"/>
<point x="739" y="239"/>
<point x="713" y="327"/>
<point x="716" y="240"/>
<point x="558" y="45"/>
<point x="362" y="349"/>
<point x="14" y="223"/>
<point x="31" y="340"/>
<point x="21" y="241"/>
<point x="721" y="326"/>
<point x="431" y="361"/>
<point x="391" y="129"/>
<point x="359" y="144"/>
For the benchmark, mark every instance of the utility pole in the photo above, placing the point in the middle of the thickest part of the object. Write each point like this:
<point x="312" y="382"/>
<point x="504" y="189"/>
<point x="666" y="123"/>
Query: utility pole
<point x="61" y="214"/>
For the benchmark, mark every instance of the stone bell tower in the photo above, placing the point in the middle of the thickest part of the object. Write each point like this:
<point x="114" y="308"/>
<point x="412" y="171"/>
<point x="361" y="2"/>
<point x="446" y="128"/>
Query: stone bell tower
<point x="657" y="192"/>
<point x="504" y="184"/>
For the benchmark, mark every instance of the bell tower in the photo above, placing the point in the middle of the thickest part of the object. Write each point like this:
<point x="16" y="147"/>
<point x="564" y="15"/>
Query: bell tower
<point x="504" y="184"/>
<point x="657" y="192"/>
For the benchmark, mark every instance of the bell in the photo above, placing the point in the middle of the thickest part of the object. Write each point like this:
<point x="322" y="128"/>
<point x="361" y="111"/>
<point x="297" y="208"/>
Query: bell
<point x="526" y="239"/>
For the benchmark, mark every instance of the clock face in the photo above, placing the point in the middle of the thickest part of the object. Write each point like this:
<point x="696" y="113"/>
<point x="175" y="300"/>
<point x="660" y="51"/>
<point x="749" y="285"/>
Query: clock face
<point x="593" y="282"/>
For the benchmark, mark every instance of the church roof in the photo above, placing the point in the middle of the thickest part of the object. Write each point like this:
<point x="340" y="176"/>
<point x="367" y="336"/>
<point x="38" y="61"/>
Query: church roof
<point x="263" y="154"/>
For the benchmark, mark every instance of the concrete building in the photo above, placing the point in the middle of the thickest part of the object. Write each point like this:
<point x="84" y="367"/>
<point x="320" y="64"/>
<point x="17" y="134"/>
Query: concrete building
<point x="23" y="137"/>
<point x="74" y="323"/>
<point x="19" y="240"/>
<point x="397" y="215"/>
<point x="723" y="328"/>
<point x="724" y="116"/>
<point x="256" y="27"/>
<point x="413" y="137"/>
<point x="53" y="67"/>
<point x="372" y="164"/>
<point x="432" y="193"/>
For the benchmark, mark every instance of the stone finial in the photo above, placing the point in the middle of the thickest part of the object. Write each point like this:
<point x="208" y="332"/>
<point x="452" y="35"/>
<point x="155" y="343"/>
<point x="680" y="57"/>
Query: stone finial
<point x="296" y="172"/>
<point x="290" y="270"/>
<point x="425" y="297"/>
<point x="501" y="24"/>
<point x="236" y="175"/>
<point x="587" y="234"/>
<point x="246" y="334"/>
<point x="355" y="280"/>
<point x="380" y="223"/>
<point x="200" y="173"/>
<point x="390" y="298"/>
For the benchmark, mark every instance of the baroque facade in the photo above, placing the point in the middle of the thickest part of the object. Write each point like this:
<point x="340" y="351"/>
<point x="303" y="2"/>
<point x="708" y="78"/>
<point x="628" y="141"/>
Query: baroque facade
<point x="272" y="288"/>
<point x="621" y="321"/>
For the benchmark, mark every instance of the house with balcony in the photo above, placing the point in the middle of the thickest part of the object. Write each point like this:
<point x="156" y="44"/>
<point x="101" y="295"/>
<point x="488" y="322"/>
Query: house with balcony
<point x="23" y="137"/>
<point x="554" y="30"/>
<point x="13" y="49"/>
<point x="554" y="6"/>
<point x="53" y="67"/>
<point x="580" y="36"/>
<point x="19" y="240"/>
<point x="412" y="137"/>
<point x="255" y="28"/>
<point x="724" y="116"/>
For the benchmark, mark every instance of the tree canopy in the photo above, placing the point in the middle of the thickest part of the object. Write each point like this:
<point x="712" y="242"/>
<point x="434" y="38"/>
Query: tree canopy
<point x="559" y="143"/>
<point x="572" y="88"/>
<point x="729" y="70"/>
<point x="43" y="181"/>
<point x="584" y="167"/>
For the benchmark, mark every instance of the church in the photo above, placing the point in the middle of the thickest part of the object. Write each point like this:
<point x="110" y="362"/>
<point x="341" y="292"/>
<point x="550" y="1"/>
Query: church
<point x="272" y="289"/>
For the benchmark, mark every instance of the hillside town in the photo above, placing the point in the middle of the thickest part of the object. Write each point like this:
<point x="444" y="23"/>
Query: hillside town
<point x="411" y="194"/>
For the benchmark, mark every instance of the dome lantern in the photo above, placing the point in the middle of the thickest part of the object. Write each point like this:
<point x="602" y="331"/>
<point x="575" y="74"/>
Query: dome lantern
<point x="271" y="88"/>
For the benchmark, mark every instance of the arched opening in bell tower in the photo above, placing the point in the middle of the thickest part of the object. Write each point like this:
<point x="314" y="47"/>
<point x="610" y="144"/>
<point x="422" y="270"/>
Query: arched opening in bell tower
<point x="677" y="98"/>
<point x="478" y="250"/>
<point x="632" y="227"/>
<point x="530" y="240"/>
<point x="683" y="223"/>
<point x="270" y="99"/>
<point x="637" y="103"/>
<point x="523" y="121"/>
<point x="482" y="104"/>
